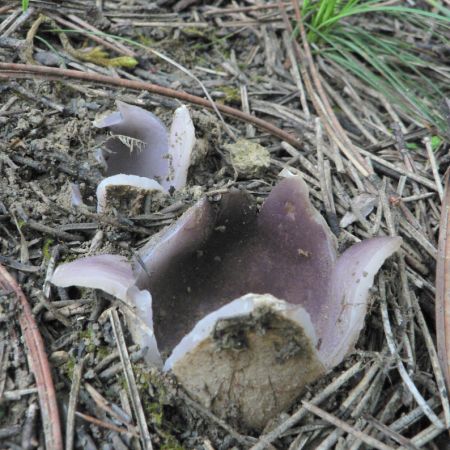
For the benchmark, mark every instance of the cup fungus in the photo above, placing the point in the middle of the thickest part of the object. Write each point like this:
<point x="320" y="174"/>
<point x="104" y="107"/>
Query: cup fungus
<point x="244" y="307"/>
<point x="142" y="155"/>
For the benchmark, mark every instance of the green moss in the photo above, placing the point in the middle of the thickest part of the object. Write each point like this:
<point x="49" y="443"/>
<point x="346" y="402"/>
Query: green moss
<point x="232" y="94"/>
<point x="88" y="336"/>
<point x="436" y="141"/>
<point x="122" y="382"/>
<point x="171" y="443"/>
<point x="69" y="367"/>
<point x="46" y="248"/>
<point x="103" y="351"/>
<point x="154" y="410"/>
<point x="98" y="56"/>
<point x="257" y="78"/>
<point x="196" y="32"/>
<point x="154" y="396"/>
<point x="153" y="405"/>
<point x="145" y="40"/>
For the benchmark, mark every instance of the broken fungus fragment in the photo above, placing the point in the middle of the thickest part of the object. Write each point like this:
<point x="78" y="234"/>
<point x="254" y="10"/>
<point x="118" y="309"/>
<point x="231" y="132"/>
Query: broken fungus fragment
<point x="244" y="307"/>
<point x="121" y="185"/>
<point x="142" y="152"/>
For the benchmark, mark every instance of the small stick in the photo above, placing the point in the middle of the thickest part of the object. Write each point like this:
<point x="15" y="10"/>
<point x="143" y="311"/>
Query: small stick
<point x="392" y="434"/>
<point x="243" y="440"/>
<point x="73" y="399"/>
<point x="413" y="176"/>
<point x="362" y="386"/>
<point x="28" y="427"/>
<point x="413" y="198"/>
<point x="106" y="406"/>
<point x="53" y="310"/>
<point x="267" y="439"/>
<point x="130" y="380"/>
<point x="107" y="360"/>
<point x="434" y="167"/>
<point x="296" y="74"/>
<point x="440" y="381"/>
<point x="326" y="194"/>
<point x="18" y="394"/>
<point x="101" y="423"/>
<point x="45" y="229"/>
<point x="39" y="364"/>
<point x="249" y="129"/>
<point x="427" y="435"/>
<point x="16" y="19"/>
<point x="443" y="285"/>
<point x="10" y="70"/>
<point x="372" y="442"/>
<point x="401" y="368"/>
<point x="50" y="269"/>
<point x="412" y="417"/>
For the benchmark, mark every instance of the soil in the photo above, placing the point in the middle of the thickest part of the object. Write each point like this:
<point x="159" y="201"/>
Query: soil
<point x="48" y="146"/>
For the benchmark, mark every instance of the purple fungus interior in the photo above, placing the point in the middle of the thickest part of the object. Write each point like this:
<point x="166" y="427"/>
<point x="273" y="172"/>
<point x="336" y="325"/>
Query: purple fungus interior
<point x="147" y="160"/>
<point x="286" y="250"/>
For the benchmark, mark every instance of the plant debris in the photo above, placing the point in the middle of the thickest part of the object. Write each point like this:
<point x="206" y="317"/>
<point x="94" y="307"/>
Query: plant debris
<point x="305" y="103"/>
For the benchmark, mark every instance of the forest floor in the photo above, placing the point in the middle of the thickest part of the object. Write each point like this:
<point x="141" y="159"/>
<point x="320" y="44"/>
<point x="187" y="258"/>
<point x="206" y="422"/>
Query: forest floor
<point x="362" y="156"/>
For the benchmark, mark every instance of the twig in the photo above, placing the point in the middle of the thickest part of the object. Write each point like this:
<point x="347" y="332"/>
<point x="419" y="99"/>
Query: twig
<point x="413" y="176"/>
<point x="101" y="423"/>
<point x="443" y="285"/>
<point x="296" y="74"/>
<point x="440" y="380"/>
<point x="434" y="167"/>
<point x="130" y="380"/>
<point x="45" y="229"/>
<point x="268" y="438"/>
<point x="73" y="399"/>
<point x="28" y="427"/>
<point x="243" y="440"/>
<point x="212" y="104"/>
<point x="39" y="365"/>
<point x="104" y="404"/>
<point x="401" y="368"/>
<point x="321" y="101"/>
<point x="4" y="365"/>
<point x="249" y="129"/>
<point x="427" y="435"/>
<point x="46" y="288"/>
<point x="9" y="70"/>
<point x="391" y="433"/>
<point x="412" y="417"/>
<point x="372" y="442"/>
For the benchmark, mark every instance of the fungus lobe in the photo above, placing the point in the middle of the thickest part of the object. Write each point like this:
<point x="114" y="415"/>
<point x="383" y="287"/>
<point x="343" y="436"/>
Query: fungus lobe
<point x="142" y="154"/>
<point x="248" y="307"/>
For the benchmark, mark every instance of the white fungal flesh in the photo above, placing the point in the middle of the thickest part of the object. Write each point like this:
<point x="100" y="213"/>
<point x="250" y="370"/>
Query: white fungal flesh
<point x="110" y="273"/>
<point x="161" y="156"/>
<point x="351" y="280"/>
<point x="240" y="307"/>
<point x="253" y="355"/>
<point x="134" y="181"/>
<point x="113" y="274"/>
<point x="181" y="144"/>
<point x="140" y="324"/>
